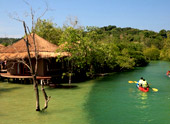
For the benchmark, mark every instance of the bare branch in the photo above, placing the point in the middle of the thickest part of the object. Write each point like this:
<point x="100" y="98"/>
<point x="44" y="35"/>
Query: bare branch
<point x="11" y="66"/>
<point x="27" y="44"/>
<point x="72" y="21"/>
<point x="26" y="2"/>
<point x="47" y="99"/>
<point x="21" y="61"/>
<point x="36" y="54"/>
<point x="47" y="8"/>
<point x="32" y="16"/>
<point x="15" y="17"/>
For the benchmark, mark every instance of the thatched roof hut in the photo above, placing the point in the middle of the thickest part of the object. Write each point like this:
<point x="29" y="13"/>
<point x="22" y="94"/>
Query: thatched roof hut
<point x="18" y="50"/>
<point x="1" y="46"/>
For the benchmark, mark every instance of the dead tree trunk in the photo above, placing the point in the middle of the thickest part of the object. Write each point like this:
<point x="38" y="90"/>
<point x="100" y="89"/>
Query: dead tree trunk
<point x="30" y="65"/>
<point x="33" y="72"/>
<point x="45" y="95"/>
<point x="36" y="93"/>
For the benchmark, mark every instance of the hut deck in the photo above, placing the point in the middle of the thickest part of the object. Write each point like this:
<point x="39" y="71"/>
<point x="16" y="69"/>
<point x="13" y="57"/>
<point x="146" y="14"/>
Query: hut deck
<point x="7" y="75"/>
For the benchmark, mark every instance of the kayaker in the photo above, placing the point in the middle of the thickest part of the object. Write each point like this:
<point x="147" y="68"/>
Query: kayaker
<point x="140" y="82"/>
<point x="168" y="73"/>
<point x="145" y="84"/>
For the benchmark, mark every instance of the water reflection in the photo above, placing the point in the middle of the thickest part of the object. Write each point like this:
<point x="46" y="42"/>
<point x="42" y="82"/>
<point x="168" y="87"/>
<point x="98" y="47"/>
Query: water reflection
<point x="142" y="99"/>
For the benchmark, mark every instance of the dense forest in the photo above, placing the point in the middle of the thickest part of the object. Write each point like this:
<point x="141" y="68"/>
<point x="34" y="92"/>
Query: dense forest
<point x="96" y="50"/>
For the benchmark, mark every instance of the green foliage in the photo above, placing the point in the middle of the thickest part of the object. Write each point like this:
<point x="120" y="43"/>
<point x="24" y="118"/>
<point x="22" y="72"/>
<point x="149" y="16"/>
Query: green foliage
<point x="152" y="53"/>
<point x="105" y="49"/>
<point x="7" y="41"/>
<point x="165" y="52"/>
<point x="124" y="60"/>
<point x="164" y="55"/>
<point x="163" y="33"/>
<point x="48" y="30"/>
<point x="94" y="51"/>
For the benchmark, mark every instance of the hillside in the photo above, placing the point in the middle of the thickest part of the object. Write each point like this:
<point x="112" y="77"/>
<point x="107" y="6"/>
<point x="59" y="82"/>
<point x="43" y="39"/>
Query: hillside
<point x="7" y="41"/>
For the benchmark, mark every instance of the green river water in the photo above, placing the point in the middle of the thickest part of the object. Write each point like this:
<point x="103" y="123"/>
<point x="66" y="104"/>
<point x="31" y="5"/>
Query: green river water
<point x="108" y="100"/>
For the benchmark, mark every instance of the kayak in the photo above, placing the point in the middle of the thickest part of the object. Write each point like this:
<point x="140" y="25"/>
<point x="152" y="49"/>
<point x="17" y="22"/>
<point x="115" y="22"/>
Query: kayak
<point x="168" y="73"/>
<point x="142" y="89"/>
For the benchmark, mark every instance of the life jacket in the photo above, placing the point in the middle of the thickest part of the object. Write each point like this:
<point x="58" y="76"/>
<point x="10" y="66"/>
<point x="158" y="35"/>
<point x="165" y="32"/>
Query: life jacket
<point x="140" y="82"/>
<point x="144" y="84"/>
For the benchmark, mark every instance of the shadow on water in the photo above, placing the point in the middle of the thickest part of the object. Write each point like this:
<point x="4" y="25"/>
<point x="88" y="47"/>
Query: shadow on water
<point x="9" y="89"/>
<point x="62" y="86"/>
<point x="43" y="112"/>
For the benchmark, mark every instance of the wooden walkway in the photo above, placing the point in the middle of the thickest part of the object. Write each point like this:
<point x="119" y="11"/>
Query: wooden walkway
<point x="23" y="79"/>
<point x="7" y="75"/>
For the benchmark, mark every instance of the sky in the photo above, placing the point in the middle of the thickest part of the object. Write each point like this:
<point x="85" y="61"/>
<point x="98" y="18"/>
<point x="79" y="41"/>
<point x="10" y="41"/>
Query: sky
<point x="151" y="15"/>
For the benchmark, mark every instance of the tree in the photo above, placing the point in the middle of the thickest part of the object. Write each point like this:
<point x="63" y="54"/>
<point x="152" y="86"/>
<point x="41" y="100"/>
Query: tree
<point x="70" y="40"/>
<point x="164" y="54"/>
<point x="163" y="33"/>
<point x="152" y="53"/>
<point x="124" y="60"/>
<point x="33" y="70"/>
<point x="48" y="30"/>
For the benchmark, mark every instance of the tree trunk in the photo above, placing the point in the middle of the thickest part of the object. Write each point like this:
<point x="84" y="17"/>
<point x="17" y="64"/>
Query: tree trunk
<point x="70" y="74"/>
<point x="33" y="72"/>
<point x="45" y="95"/>
<point x="36" y="93"/>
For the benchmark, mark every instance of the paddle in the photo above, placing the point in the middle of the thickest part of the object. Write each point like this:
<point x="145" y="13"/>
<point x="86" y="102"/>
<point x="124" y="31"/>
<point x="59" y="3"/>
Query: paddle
<point x="154" y="89"/>
<point x="132" y="82"/>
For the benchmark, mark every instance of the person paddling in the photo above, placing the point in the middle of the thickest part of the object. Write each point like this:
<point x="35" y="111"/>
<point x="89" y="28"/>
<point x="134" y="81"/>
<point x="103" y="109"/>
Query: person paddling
<point x="168" y="73"/>
<point x="140" y="81"/>
<point x="145" y="84"/>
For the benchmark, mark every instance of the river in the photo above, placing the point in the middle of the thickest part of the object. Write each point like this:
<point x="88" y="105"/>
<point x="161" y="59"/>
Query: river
<point x="108" y="100"/>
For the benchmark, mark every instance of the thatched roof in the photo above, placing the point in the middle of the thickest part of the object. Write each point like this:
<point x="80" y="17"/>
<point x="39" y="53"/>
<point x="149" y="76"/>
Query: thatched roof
<point x="1" y="46"/>
<point x="18" y="50"/>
